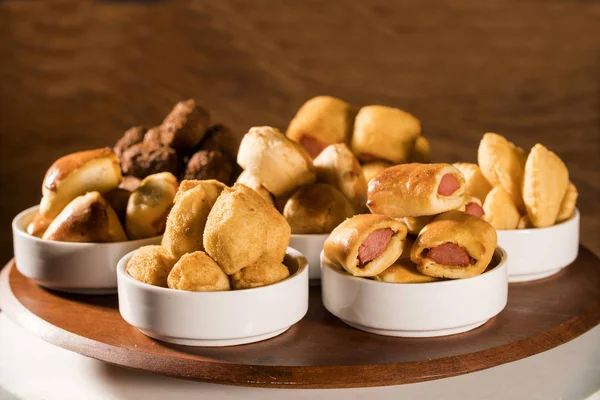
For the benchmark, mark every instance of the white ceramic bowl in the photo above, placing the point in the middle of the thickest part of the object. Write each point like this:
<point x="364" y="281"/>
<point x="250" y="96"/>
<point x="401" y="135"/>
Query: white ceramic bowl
<point x="224" y="318"/>
<point x="540" y="252"/>
<point x="416" y="309"/>
<point x="84" y="268"/>
<point x="311" y="246"/>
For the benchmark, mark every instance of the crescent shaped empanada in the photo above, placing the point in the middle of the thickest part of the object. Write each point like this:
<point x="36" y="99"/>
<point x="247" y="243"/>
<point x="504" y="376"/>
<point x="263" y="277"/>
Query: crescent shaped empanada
<point x="403" y="271"/>
<point x="374" y="168"/>
<point x="476" y="184"/>
<point x="567" y="205"/>
<point x="197" y="272"/>
<point x="499" y="209"/>
<point x="151" y="265"/>
<point x="261" y="273"/>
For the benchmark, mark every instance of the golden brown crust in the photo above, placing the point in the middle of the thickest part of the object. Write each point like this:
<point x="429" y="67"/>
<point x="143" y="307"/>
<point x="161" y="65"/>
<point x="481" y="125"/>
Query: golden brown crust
<point x="524" y="223"/>
<point x="65" y="165"/>
<point x="404" y="271"/>
<point x="500" y="211"/>
<point x="246" y="178"/>
<point x="197" y="272"/>
<point x="211" y="187"/>
<point x="374" y="168"/>
<point x="38" y="226"/>
<point x="476" y="184"/>
<point x="261" y="273"/>
<point x="415" y="224"/>
<point x="151" y="265"/>
<point x="567" y="205"/>
<point x="421" y="153"/>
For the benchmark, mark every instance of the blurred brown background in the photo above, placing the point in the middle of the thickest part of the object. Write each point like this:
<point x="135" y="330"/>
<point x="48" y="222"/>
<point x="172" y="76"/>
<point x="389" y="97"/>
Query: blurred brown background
<point x="75" y="74"/>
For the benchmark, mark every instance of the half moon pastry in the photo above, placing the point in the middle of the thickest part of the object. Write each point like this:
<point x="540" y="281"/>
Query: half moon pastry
<point x="88" y="218"/>
<point x="403" y="271"/>
<point x="567" y="205"/>
<point x="151" y="265"/>
<point x="261" y="273"/>
<point x="476" y="184"/>
<point x="413" y="190"/>
<point x="374" y="168"/>
<point x="246" y="178"/>
<point x="280" y="164"/>
<point x="242" y="228"/>
<point x="366" y="244"/>
<point x="321" y="121"/>
<point x="499" y="209"/>
<point x="384" y="133"/>
<point x="544" y="186"/>
<point x="337" y="166"/>
<point x="149" y="205"/>
<point x="454" y="245"/>
<point x="197" y="272"/>
<point x="502" y="163"/>
<point x="317" y="208"/>
<point x="421" y="153"/>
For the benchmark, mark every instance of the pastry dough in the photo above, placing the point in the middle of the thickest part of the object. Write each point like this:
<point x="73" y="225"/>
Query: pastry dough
<point x="413" y="190"/>
<point x="246" y="178"/>
<point x="524" y="223"/>
<point x="366" y="244"/>
<point x="337" y="166"/>
<point x="118" y="199"/>
<point x="317" y="208"/>
<point x="149" y="205"/>
<point x="421" y="153"/>
<point x="321" y="121"/>
<point x="544" y="186"/>
<point x="415" y="224"/>
<point x="151" y="265"/>
<point x="500" y="211"/>
<point x="374" y="168"/>
<point x="384" y="133"/>
<point x="280" y="164"/>
<point x="501" y="162"/>
<point x="454" y="245"/>
<point x="567" y="205"/>
<point x="197" y="272"/>
<point x="88" y="218"/>
<point x="408" y="244"/>
<point x="403" y="271"/>
<point x="476" y="184"/>
<point x="211" y="187"/>
<point x="261" y="273"/>
<point x="242" y="228"/>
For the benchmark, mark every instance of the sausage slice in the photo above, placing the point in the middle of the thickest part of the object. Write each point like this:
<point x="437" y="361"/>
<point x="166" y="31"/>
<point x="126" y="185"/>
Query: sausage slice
<point x="374" y="245"/>
<point x="474" y="209"/>
<point x="448" y="185"/>
<point x="449" y="254"/>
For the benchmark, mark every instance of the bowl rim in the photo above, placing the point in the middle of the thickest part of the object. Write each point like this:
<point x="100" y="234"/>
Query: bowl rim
<point x="575" y="216"/>
<point x="365" y="280"/>
<point x="310" y="235"/>
<point x="17" y="227"/>
<point x="130" y="280"/>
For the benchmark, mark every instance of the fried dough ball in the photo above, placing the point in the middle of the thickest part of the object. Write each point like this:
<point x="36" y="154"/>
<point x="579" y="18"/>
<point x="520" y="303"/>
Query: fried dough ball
<point x="261" y="273"/>
<point x="197" y="272"/>
<point x="151" y="265"/>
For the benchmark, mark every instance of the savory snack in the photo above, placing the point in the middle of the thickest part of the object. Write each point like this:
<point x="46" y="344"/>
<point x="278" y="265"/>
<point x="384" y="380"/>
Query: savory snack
<point x="212" y="188"/>
<point x="185" y="126"/>
<point x="246" y="178"/>
<point x="454" y="245"/>
<point x="374" y="168"/>
<point x="144" y="159"/>
<point x="476" y="184"/>
<point x="118" y="199"/>
<point x="197" y="272"/>
<point x="404" y="271"/>
<point x="472" y="205"/>
<point x="415" y="224"/>
<point x="413" y="190"/>
<point x="280" y="164"/>
<point x="132" y="136"/>
<point x="384" y="133"/>
<point x="208" y="164"/>
<point x="220" y="138"/>
<point x="366" y="244"/>
<point x="337" y="166"/>
<point x="421" y="152"/>
<point x="261" y="273"/>
<point x="567" y="205"/>
<point x="321" y="121"/>
<point x="130" y="183"/>
<point x="544" y="186"/>
<point x="317" y="208"/>
<point x="524" y="223"/>
<point x="499" y="209"/>
<point x="151" y="265"/>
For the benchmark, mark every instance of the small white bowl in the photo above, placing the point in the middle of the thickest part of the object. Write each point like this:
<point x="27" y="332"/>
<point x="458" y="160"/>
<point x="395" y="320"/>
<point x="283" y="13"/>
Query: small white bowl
<point x="83" y="268"/>
<point x="540" y="252"/>
<point x="311" y="245"/>
<point x="416" y="309"/>
<point x="215" y="319"/>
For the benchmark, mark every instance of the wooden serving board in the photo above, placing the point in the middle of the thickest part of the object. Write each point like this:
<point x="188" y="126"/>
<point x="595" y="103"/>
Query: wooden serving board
<point x="320" y="351"/>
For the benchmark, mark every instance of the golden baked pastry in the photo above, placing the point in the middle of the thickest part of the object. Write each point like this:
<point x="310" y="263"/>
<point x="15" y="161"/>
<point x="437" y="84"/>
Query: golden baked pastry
<point x="374" y="168"/>
<point x="454" y="245"/>
<point x="321" y="121"/>
<point x="317" y="208"/>
<point x="149" y="205"/>
<point x="403" y="271"/>
<point x="499" y="209"/>
<point x="130" y="183"/>
<point x="544" y="186"/>
<point x="476" y="184"/>
<point x="413" y="190"/>
<point x="246" y="178"/>
<point x="421" y="153"/>
<point x="384" y="133"/>
<point x="118" y="199"/>
<point x="197" y="272"/>
<point x="567" y="205"/>
<point x="524" y="223"/>
<point x="366" y="244"/>
<point x="280" y="164"/>
<point x="151" y="265"/>
<point x="88" y="218"/>
<point x="415" y="224"/>
<point x="408" y="244"/>
<point x="337" y="166"/>
<point x="212" y="188"/>
<point x="501" y="162"/>
<point x="242" y="228"/>
<point x="261" y="273"/>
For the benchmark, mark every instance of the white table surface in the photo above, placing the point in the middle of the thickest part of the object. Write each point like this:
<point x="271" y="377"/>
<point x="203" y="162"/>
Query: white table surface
<point x="33" y="369"/>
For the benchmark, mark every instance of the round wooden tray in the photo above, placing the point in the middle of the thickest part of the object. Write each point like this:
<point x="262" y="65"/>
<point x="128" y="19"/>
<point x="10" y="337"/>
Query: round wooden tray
<point x="320" y="351"/>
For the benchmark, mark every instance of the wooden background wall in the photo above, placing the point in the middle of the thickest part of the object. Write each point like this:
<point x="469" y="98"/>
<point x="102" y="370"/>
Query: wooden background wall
<point x="75" y="74"/>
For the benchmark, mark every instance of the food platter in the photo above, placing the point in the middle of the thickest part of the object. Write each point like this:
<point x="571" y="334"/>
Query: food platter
<point x="320" y="351"/>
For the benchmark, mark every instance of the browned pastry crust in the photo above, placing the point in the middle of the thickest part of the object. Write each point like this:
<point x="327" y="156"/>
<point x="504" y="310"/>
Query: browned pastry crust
<point x="374" y="168"/>
<point x="118" y="199"/>
<point x="404" y="271"/>
<point x="421" y="153"/>
<point x="151" y="265"/>
<point x="209" y="164"/>
<point x="185" y="126"/>
<point x="524" y="223"/>
<point x="567" y="205"/>
<point x="476" y="184"/>
<point x="144" y="159"/>
<point x="133" y="135"/>
<point x="246" y="178"/>
<point x="500" y="211"/>
<point x="197" y="272"/>
<point x="261" y="273"/>
<point x="212" y="188"/>
<point x="415" y="224"/>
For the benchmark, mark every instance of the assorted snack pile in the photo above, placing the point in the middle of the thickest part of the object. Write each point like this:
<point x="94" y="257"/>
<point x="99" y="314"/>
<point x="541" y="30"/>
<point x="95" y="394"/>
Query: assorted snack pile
<point x="84" y="199"/>
<point x="427" y="200"/>
<point x="217" y="238"/>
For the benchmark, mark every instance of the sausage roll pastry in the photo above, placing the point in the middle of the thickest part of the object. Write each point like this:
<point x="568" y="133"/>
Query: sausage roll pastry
<point x="151" y="265"/>
<point x="408" y="244"/>
<point x="499" y="209"/>
<point x="337" y="166"/>
<point x="366" y="244"/>
<point x="321" y="121"/>
<point x="317" y="208"/>
<point x="246" y="178"/>
<point x="374" y="168"/>
<point x="415" y="224"/>
<point x="501" y="162"/>
<point x="421" y="153"/>
<point x="280" y="164"/>
<point x="242" y="228"/>
<point x="403" y="271"/>
<point x="384" y="133"/>
<point x="413" y="190"/>
<point x="567" y="205"/>
<point x="261" y="273"/>
<point x="544" y="186"/>
<point x="454" y="245"/>
<point x="476" y="184"/>
<point x="473" y="206"/>
<point x="197" y="272"/>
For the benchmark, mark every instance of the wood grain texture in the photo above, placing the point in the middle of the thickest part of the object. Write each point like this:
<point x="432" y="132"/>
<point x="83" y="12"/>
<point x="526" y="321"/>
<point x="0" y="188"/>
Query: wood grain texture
<point x="314" y="353"/>
<point x="76" y="73"/>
